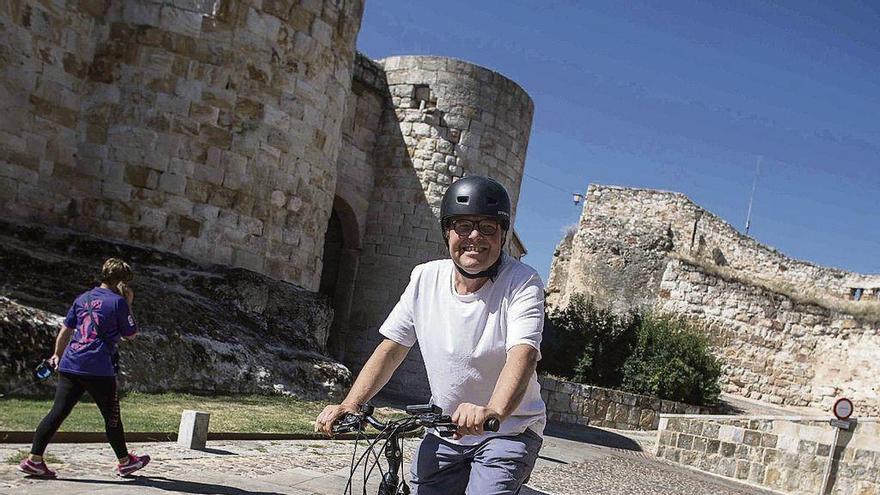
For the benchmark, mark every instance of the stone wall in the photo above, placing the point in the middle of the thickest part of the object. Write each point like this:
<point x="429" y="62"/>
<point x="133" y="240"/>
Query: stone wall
<point x="784" y="328"/>
<point x="447" y="118"/>
<point x="788" y="454"/>
<point x="775" y="349"/>
<point x="361" y="129"/>
<point x="625" y="235"/>
<point x="580" y="404"/>
<point x="206" y="128"/>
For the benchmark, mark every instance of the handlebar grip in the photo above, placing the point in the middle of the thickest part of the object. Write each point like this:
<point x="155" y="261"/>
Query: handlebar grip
<point x="491" y="424"/>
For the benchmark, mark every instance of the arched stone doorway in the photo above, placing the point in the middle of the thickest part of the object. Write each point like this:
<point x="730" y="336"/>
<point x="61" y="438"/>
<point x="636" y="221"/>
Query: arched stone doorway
<point x="341" y="256"/>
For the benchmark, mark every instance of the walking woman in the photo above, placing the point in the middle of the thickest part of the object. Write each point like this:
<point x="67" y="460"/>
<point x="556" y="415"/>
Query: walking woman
<point x="86" y="358"/>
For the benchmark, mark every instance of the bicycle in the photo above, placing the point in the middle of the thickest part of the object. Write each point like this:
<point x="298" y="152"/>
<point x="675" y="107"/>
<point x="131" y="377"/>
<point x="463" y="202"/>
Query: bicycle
<point x="422" y="415"/>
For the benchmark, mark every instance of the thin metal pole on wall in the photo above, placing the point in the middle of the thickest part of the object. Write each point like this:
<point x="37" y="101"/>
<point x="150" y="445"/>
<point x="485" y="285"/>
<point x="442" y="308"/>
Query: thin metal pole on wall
<point x="827" y="475"/>
<point x="752" y="196"/>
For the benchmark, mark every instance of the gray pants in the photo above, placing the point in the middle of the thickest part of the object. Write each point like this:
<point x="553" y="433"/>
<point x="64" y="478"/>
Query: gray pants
<point x="497" y="466"/>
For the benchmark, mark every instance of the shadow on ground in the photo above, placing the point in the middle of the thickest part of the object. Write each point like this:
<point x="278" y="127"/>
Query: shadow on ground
<point x="172" y="485"/>
<point x="216" y="451"/>
<point x="526" y="490"/>
<point x="588" y="434"/>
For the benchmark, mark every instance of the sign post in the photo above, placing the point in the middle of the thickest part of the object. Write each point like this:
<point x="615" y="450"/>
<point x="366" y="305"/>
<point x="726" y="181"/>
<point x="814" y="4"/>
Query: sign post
<point x="843" y="409"/>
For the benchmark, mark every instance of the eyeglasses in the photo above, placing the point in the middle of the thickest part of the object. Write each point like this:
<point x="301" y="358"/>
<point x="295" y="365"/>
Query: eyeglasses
<point x="463" y="227"/>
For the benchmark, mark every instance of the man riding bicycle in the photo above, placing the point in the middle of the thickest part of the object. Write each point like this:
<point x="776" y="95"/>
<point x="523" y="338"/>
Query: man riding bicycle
<point x="478" y="320"/>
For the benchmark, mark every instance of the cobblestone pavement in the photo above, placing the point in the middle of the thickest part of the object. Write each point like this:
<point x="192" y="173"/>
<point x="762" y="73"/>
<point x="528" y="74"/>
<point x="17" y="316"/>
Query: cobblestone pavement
<point x="321" y="467"/>
<point x="618" y="474"/>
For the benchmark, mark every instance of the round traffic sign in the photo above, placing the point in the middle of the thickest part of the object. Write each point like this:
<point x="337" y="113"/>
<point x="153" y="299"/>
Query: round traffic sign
<point x="843" y="408"/>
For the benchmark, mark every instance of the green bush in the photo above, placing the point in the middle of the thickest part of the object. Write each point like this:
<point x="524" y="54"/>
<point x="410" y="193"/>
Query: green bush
<point x="656" y="355"/>
<point x="587" y="344"/>
<point x="672" y="360"/>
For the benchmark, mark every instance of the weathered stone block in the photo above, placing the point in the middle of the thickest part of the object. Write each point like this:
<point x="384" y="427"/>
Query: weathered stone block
<point x="672" y="454"/>
<point x="141" y="13"/>
<point x="647" y="420"/>
<point x="727" y="467"/>
<point x="751" y="438"/>
<point x="713" y="446"/>
<point x="727" y="449"/>
<point x="807" y="447"/>
<point x="172" y="183"/>
<point x="756" y="472"/>
<point x="710" y="430"/>
<point x="685" y="441"/>
<point x="180" y="21"/>
<point x="769" y="440"/>
<point x="215" y="136"/>
<point x="53" y="112"/>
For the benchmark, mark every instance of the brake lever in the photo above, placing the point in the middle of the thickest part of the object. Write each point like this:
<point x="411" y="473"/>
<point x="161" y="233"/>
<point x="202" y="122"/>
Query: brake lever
<point x="442" y="424"/>
<point x="349" y="423"/>
<point x="446" y="433"/>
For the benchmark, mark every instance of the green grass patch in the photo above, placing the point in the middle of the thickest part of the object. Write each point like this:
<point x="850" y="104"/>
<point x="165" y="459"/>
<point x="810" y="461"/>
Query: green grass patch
<point x="161" y="413"/>
<point x="18" y="455"/>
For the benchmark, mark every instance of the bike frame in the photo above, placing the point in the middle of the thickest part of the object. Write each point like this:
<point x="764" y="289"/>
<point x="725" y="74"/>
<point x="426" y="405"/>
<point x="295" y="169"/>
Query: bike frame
<point x="428" y="416"/>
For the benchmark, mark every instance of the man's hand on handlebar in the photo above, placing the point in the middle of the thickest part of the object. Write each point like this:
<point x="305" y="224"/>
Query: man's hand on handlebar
<point x="324" y="421"/>
<point x="470" y="419"/>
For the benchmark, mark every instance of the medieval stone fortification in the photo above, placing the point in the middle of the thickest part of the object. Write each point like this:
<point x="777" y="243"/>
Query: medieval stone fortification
<point x="249" y="134"/>
<point x="789" y="332"/>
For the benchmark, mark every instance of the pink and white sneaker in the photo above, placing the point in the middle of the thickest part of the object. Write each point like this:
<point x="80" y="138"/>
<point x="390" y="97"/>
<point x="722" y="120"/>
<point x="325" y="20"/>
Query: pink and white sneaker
<point x="135" y="462"/>
<point x="38" y="469"/>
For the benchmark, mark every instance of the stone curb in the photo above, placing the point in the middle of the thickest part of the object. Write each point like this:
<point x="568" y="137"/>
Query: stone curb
<point x="142" y="436"/>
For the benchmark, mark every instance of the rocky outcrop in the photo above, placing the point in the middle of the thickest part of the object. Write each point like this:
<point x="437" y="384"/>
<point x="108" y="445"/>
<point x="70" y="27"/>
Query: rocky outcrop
<point x="202" y="328"/>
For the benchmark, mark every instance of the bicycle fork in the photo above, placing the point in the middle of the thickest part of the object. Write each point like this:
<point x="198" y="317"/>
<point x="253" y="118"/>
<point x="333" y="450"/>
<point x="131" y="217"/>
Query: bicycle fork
<point x="394" y="456"/>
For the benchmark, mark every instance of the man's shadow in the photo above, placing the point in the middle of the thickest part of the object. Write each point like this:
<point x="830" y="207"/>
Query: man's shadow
<point x="172" y="485"/>
<point x="589" y="434"/>
<point x="527" y="490"/>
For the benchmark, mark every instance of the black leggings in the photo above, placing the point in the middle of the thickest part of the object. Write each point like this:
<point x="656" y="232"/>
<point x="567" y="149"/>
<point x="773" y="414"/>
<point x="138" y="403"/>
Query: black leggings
<point x="70" y="390"/>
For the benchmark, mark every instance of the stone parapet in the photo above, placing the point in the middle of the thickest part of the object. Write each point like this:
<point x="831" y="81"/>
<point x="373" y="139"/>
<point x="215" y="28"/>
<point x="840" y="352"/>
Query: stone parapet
<point x="577" y="403"/>
<point x="788" y="454"/>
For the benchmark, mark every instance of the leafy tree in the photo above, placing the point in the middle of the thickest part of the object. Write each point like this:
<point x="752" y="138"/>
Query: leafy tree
<point x="672" y="360"/>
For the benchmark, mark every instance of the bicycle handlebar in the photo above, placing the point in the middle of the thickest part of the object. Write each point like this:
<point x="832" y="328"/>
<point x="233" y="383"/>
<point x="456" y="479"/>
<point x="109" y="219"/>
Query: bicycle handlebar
<point x="435" y="419"/>
<point x="391" y="432"/>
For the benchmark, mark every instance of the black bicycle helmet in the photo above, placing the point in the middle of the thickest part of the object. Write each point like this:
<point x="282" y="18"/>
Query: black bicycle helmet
<point x="475" y="195"/>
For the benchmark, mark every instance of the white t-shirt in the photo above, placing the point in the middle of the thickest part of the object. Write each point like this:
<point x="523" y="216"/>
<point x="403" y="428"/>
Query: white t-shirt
<point x="464" y="339"/>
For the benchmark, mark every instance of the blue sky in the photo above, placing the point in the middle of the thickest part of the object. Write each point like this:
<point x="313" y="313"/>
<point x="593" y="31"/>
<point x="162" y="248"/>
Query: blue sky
<point x="683" y="96"/>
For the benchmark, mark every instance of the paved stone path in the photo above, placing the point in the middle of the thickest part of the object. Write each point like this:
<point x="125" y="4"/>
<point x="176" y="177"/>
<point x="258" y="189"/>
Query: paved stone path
<point x="570" y="465"/>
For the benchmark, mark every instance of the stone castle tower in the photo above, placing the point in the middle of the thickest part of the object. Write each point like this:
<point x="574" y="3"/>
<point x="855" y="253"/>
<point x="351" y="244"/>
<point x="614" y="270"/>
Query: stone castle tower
<point x="250" y="134"/>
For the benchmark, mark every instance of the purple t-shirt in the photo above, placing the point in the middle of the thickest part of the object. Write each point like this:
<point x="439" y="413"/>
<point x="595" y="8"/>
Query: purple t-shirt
<point x="87" y="353"/>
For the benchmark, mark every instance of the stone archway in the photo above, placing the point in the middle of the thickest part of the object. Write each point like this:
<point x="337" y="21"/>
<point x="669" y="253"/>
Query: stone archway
<point x="342" y="251"/>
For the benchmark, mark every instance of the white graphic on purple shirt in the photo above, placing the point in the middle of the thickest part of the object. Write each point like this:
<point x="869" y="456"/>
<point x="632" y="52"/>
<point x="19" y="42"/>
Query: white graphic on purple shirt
<point x="87" y="331"/>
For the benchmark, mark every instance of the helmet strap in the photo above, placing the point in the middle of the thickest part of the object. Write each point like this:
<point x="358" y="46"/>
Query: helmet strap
<point x="489" y="273"/>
